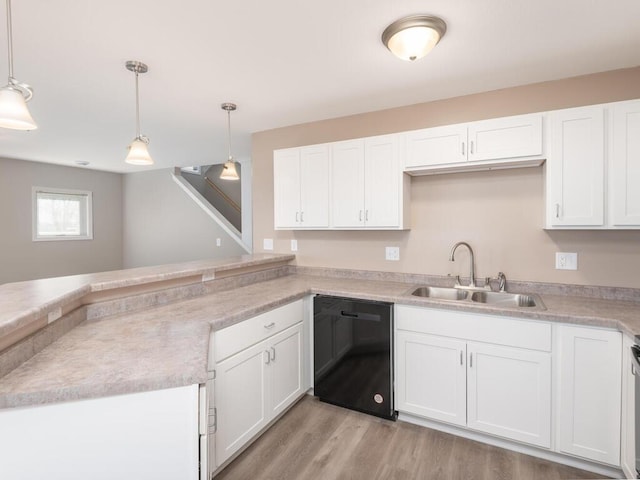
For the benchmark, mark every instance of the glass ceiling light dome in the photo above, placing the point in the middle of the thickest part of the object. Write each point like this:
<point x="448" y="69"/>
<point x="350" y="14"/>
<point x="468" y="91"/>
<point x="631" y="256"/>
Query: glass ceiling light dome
<point x="411" y="38"/>
<point x="138" y="152"/>
<point x="14" y="96"/>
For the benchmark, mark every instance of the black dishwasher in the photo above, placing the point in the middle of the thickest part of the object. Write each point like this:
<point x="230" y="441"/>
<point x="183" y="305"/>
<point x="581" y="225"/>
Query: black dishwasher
<point x="353" y="354"/>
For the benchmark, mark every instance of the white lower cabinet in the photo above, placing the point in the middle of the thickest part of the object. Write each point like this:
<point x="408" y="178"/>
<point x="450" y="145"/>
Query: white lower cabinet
<point x="589" y="392"/>
<point x="628" y="437"/>
<point x="509" y="393"/>
<point x="497" y="389"/>
<point x="255" y="385"/>
<point x="432" y="377"/>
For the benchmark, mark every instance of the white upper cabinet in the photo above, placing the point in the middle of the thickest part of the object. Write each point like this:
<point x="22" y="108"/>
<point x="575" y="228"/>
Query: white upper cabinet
<point x="625" y="164"/>
<point x="435" y="146"/>
<point x="347" y="183"/>
<point x="367" y="184"/>
<point x="509" y="141"/>
<point x="301" y="187"/>
<point x="575" y="167"/>
<point x="508" y="137"/>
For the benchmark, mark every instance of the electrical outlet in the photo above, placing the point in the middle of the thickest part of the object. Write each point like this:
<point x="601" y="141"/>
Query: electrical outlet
<point x="267" y="244"/>
<point x="294" y="245"/>
<point x="392" y="253"/>
<point x="218" y="242"/>
<point x="566" y="261"/>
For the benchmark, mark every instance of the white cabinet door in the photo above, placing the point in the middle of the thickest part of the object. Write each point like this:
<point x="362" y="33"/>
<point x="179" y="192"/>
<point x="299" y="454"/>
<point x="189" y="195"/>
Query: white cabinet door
<point x="431" y="377"/>
<point x="347" y="184"/>
<point x="383" y="182"/>
<point x="435" y="146"/>
<point x="314" y="187"/>
<point x="284" y="371"/>
<point x="148" y="435"/>
<point x="589" y="383"/>
<point x="509" y="393"/>
<point x="575" y="168"/>
<point x="286" y="188"/>
<point x="509" y="137"/>
<point x="240" y="399"/>
<point x="628" y="437"/>
<point x="625" y="164"/>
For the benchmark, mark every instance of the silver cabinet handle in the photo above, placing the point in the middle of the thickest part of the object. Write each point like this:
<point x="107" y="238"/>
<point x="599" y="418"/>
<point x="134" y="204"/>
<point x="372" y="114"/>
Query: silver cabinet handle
<point x="471" y="147"/>
<point x="462" y="152"/>
<point x="297" y="216"/>
<point x="557" y="210"/>
<point x="366" y="215"/>
<point x="301" y="217"/>
<point x="273" y="352"/>
<point x="461" y="353"/>
<point x="270" y="326"/>
<point x="471" y="360"/>
<point x="268" y="359"/>
<point x="360" y="216"/>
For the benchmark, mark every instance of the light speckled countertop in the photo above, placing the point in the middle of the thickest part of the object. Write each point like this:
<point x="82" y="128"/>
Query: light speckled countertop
<point x="166" y="346"/>
<point x="22" y="303"/>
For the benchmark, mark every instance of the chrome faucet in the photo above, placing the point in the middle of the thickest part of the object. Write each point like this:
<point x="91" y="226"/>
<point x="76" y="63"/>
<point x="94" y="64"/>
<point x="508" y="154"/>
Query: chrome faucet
<point x="472" y="272"/>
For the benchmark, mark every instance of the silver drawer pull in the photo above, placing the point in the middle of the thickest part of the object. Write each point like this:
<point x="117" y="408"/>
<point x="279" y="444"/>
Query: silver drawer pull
<point x="270" y="326"/>
<point x="273" y="356"/>
<point x="267" y="360"/>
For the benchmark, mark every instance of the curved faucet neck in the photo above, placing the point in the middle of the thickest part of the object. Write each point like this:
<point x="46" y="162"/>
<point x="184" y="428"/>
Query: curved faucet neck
<point x="472" y="273"/>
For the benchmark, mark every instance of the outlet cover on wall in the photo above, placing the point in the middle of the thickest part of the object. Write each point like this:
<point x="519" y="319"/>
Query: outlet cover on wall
<point x="566" y="261"/>
<point x="267" y="244"/>
<point x="392" y="253"/>
<point x="294" y="245"/>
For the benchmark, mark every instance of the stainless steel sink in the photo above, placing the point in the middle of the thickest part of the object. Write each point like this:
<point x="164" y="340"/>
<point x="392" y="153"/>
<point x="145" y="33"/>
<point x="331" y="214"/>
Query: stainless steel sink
<point x="504" y="299"/>
<point x="481" y="297"/>
<point x="441" y="293"/>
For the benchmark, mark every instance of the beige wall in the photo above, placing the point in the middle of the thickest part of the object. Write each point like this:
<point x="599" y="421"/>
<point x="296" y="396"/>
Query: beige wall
<point x="500" y="213"/>
<point x="23" y="259"/>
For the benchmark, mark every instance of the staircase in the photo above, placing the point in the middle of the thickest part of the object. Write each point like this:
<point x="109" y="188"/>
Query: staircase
<point x="221" y="199"/>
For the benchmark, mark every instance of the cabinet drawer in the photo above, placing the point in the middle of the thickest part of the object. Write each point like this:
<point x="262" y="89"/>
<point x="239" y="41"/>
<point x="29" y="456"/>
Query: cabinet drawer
<point x="237" y="337"/>
<point x="473" y="326"/>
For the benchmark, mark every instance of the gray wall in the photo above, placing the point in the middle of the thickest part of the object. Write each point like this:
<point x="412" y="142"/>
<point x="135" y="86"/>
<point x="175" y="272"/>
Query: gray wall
<point x="23" y="259"/>
<point x="161" y="224"/>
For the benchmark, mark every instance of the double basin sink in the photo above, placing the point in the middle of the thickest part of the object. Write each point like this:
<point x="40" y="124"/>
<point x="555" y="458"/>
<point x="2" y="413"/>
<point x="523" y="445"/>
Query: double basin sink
<point x="497" y="299"/>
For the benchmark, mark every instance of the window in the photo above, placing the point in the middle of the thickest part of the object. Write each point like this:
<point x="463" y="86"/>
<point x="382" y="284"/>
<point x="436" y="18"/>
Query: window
<point x="61" y="214"/>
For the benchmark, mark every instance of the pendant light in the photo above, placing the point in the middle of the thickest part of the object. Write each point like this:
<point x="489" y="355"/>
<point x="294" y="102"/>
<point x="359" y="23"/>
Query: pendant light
<point x="138" y="152"/>
<point x="14" y="96"/>
<point x="229" y="171"/>
<point x="411" y="38"/>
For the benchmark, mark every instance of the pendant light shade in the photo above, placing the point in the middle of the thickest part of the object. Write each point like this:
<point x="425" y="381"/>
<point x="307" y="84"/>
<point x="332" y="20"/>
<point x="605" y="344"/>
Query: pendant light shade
<point x="229" y="171"/>
<point x="14" y="96"/>
<point x="413" y="37"/>
<point x="138" y="151"/>
<point x="14" y="113"/>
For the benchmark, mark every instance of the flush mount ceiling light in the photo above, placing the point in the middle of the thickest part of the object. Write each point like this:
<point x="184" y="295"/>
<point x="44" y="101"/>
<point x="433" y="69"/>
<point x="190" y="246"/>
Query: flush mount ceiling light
<point x="138" y="152"/>
<point x="411" y="38"/>
<point x="229" y="171"/>
<point x="14" y="96"/>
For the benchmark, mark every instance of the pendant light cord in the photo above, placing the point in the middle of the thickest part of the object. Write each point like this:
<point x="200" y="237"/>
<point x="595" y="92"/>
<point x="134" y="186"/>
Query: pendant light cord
<point x="10" y="41"/>
<point x="229" y="133"/>
<point x="137" y="108"/>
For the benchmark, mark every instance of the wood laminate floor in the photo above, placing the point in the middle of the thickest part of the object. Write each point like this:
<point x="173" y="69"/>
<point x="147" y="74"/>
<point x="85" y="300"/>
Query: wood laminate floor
<point x="315" y="440"/>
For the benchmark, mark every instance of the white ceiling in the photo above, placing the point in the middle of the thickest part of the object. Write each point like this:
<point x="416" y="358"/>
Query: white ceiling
<point x="283" y="62"/>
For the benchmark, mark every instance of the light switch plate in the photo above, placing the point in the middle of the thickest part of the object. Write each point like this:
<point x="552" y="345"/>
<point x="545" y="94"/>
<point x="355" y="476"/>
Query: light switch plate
<point x="392" y="253"/>
<point x="294" y="245"/>
<point x="267" y="244"/>
<point x="566" y="261"/>
<point x="218" y="242"/>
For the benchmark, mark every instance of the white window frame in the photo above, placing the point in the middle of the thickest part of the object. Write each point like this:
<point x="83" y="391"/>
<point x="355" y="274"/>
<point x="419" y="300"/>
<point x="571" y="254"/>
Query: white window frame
<point x="53" y="238"/>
